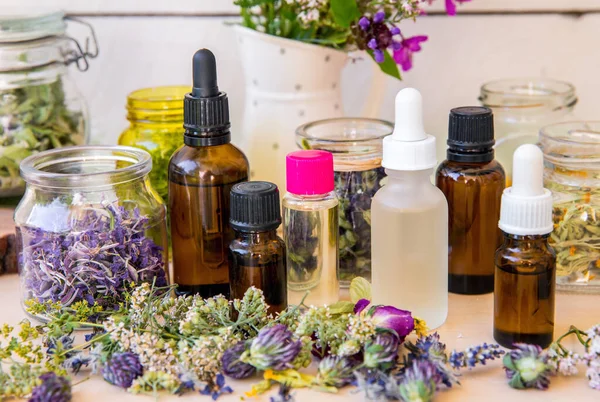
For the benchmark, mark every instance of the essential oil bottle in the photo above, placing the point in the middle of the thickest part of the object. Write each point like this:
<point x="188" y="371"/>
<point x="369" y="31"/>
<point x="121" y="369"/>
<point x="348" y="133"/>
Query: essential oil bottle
<point x="409" y="221"/>
<point x="257" y="254"/>
<point x="472" y="182"/>
<point x="310" y="228"/>
<point x="201" y="175"/>
<point x="525" y="263"/>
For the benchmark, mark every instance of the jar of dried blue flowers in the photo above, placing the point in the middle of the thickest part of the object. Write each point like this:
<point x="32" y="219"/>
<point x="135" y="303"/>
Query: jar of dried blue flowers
<point x="89" y="226"/>
<point x="356" y="145"/>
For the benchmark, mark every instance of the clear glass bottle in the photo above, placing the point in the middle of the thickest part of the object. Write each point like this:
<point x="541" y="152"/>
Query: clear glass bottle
<point x="257" y="254"/>
<point x="410" y="221"/>
<point x="472" y="182"/>
<point x="356" y="145"/>
<point x="525" y="263"/>
<point x="156" y="117"/>
<point x="310" y="228"/>
<point x="522" y="106"/>
<point x="40" y="107"/>
<point x="572" y="173"/>
<point x="89" y="225"/>
<point x="201" y="175"/>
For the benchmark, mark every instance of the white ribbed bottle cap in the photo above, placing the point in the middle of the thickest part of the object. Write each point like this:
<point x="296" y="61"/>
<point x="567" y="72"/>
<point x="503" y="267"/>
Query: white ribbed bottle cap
<point x="409" y="147"/>
<point x="526" y="207"/>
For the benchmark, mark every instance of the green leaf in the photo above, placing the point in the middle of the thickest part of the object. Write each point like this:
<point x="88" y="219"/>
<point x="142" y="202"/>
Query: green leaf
<point x="344" y="12"/>
<point x="388" y="66"/>
<point x="360" y="288"/>
<point x="342" y="307"/>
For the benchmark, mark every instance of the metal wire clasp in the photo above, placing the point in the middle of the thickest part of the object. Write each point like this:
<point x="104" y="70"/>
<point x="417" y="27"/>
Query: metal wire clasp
<point x="78" y="55"/>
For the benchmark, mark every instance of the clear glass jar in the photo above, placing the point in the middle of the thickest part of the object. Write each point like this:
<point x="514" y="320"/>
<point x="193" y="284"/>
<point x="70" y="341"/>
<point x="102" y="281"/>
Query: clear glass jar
<point x="356" y="145"/>
<point x="40" y="108"/>
<point x="156" y="126"/>
<point x="521" y="107"/>
<point x="89" y="225"/>
<point x="572" y="173"/>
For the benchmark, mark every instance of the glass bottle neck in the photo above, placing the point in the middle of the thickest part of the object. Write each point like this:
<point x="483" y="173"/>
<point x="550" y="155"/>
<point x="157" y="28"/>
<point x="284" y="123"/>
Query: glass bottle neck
<point x="410" y="177"/>
<point x="532" y="241"/>
<point x="257" y="237"/>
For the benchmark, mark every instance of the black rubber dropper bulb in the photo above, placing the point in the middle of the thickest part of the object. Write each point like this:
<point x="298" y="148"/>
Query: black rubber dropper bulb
<point x="205" y="109"/>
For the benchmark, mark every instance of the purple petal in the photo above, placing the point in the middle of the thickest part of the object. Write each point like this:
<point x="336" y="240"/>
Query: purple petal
<point x="372" y="44"/>
<point x="379" y="56"/>
<point x="361" y="305"/>
<point x="395" y="31"/>
<point x="450" y="7"/>
<point x="364" y="23"/>
<point x="379" y="17"/>
<point x="402" y="57"/>
<point x="395" y="319"/>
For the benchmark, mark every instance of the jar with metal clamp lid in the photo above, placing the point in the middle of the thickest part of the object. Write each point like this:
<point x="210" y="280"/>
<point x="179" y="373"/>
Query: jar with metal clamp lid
<point x="40" y="108"/>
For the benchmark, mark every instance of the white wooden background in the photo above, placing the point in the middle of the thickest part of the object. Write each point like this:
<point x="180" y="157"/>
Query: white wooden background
<point x="150" y="42"/>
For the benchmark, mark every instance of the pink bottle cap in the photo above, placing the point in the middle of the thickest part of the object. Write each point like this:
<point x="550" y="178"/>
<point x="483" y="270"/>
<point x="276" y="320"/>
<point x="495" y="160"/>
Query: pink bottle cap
<point x="309" y="172"/>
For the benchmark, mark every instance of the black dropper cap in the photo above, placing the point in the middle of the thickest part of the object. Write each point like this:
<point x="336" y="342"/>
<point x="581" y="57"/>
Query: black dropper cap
<point x="255" y="207"/>
<point x="205" y="109"/>
<point x="471" y="134"/>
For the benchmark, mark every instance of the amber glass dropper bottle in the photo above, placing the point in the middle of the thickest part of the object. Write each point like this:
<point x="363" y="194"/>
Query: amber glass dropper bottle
<point x="201" y="175"/>
<point x="525" y="263"/>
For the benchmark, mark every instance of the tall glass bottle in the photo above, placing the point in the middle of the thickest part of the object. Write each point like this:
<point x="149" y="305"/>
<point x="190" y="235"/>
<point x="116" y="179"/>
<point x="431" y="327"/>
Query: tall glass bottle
<point x="409" y="221"/>
<point x="310" y="228"/>
<point x="472" y="182"/>
<point x="257" y="254"/>
<point x="201" y="175"/>
<point x="525" y="263"/>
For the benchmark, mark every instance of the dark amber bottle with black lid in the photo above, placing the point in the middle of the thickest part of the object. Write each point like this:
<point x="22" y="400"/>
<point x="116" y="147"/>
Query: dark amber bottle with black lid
<point x="201" y="175"/>
<point x="472" y="181"/>
<point x="257" y="254"/>
<point x="525" y="263"/>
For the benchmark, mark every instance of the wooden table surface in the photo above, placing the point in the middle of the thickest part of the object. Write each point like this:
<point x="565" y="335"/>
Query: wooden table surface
<point x="469" y="323"/>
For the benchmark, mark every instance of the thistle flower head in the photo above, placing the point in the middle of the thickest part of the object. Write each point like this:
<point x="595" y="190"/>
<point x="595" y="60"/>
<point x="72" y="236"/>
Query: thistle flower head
<point x="122" y="369"/>
<point x="336" y="371"/>
<point x="419" y="382"/>
<point x="527" y="367"/>
<point x="382" y="351"/>
<point x="53" y="388"/>
<point x="273" y="348"/>
<point x="232" y="365"/>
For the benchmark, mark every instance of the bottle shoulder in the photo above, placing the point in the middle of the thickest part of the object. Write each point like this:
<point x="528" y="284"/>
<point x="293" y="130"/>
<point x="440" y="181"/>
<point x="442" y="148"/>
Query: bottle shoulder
<point x="473" y="172"/>
<point x="211" y="163"/>
<point x="243" y="247"/>
<point x="398" y="196"/>
<point x="311" y="202"/>
<point x="526" y="257"/>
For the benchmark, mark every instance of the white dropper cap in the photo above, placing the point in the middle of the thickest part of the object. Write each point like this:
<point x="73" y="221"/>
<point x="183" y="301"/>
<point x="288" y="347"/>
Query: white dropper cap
<point x="527" y="206"/>
<point x="409" y="147"/>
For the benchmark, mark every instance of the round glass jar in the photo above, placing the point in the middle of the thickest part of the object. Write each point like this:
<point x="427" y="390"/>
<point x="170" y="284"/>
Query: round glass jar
<point x="89" y="225"/>
<point x="357" y="146"/>
<point x="521" y="107"/>
<point x="156" y="126"/>
<point x="40" y="108"/>
<point x="572" y="173"/>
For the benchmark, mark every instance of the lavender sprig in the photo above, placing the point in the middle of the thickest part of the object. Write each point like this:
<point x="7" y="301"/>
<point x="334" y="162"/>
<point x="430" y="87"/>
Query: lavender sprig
<point x="474" y="355"/>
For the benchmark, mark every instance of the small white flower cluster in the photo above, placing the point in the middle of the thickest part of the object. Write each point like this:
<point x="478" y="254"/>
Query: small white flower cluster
<point x="592" y="357"/>
<point x="310" y="10"/>
<point x="139" y="299"/>
<point x="361" y="328"/>
<point x="565" y="365"/>
<point x="203" y="357"/>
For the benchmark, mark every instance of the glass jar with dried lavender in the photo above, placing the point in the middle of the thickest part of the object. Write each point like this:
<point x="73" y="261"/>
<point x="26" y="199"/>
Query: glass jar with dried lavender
<point x="356" y="145"/>
<point x="89" y="225"/>
<point x="572" y="173"/>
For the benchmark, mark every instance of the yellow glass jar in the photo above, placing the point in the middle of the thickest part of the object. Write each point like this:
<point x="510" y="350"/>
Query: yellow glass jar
<point x="156" y="126"/>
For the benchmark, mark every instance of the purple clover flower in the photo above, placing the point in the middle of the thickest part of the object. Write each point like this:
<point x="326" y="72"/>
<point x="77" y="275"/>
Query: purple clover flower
<point x="527" y="367"/>
<point x="364" y="23"/>
<point x="53" y="388"/>
<point x="419" y="383"/>
<point x="336" y="371"/>
<point x="122" y="369"/>
<point x="232" y="365"/>
<point x="273" y="348"/>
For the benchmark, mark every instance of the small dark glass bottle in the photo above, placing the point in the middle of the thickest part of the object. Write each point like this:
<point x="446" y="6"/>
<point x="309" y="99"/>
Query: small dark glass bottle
<point x="201" y="175"/>
<point x="257" y="254"/>
<point x="472" y="182"/>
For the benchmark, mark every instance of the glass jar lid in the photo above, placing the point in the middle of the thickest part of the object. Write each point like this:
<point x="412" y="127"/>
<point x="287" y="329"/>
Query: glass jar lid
<point x="572" y="144"/>
<point x="157" y="104"/>
<point x="21" y="25"/>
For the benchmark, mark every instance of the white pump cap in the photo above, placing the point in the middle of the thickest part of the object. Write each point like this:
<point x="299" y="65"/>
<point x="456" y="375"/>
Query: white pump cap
<point x="409" y="147"/>
<point x="527" y="206"/>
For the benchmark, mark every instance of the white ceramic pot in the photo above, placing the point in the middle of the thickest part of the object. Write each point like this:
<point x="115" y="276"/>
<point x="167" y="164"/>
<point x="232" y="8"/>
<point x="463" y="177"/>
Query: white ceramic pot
<point x="288" y="83"/>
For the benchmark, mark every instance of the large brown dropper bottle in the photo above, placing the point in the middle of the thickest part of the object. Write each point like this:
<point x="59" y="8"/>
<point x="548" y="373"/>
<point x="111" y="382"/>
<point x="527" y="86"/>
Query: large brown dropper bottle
<point x="201" y="175"/>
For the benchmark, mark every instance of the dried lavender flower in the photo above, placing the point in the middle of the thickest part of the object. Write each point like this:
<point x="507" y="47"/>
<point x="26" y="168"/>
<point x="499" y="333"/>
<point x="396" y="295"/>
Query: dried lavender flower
<point x="474" y="355"/>
<point x="53" y="388"/>
<point x="273" y="348"/>
<point x="527" y="367"/>
<point x="122" y="369"/>
<point x="232" y="365"/>
<point x="429" y="348"/>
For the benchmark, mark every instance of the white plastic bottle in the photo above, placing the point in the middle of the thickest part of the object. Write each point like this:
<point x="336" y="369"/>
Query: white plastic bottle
<point x="409" y="221"/>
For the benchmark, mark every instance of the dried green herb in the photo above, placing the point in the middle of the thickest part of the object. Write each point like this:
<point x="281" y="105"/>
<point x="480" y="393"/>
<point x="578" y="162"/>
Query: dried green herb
<point x="34" y="118"/>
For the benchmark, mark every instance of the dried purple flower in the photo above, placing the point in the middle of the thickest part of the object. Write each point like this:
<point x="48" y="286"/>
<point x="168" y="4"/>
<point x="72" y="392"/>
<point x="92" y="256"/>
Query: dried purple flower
<point x="381" y="352"/>
<point x="527" y="367"/>
<point x="284" y="394"/>
<point x="217" y="389"/>
<point x="53" y="388"/>
<point x="388" y="317"/>
<point x="474" y="356"/>
<point x="429" y="348"/>
<point x="273" y="348"/>
<point x="232" y="365"/>
<point x="122" y="369"/>
<point x="419" y="382"/>
<point x="336" y="371"/>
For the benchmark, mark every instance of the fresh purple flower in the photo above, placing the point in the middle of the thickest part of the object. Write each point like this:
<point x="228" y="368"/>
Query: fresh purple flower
<point x="379" y="17"/>
<point x="527" y="367"/>
<point x="451" y="6"/>
<point x="403" y="56"/>
<point x="232" y="365"/>
<point x="378" y="55"/>
<point x="364" y="23"/>
<point x="372" y="44"/>
<point x="217" y="389"/>
<point x="395" y="30"/>
<point x="122" y="369"/>
<point x="361" y="305"/>
<point x="400" y="321"/>
<point x="336" y="371"/>
<point x="273" y="348"/>
<point x="53" y="388"/>
<point x="382" y="352"/>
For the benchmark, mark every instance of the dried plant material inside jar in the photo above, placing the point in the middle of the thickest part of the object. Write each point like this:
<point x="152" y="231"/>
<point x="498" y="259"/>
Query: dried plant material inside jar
<point x="572" y="173"/>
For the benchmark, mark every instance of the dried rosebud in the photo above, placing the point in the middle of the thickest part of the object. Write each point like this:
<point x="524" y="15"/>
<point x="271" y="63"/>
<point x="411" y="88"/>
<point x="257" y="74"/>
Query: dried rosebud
<point x="232" y="365"/>
<point x="381" y="352"/>
<point x="53" y="388"/>
<point x="122" y="369"/>
<point x="273" y="348"/>
<point x="400" y="321"/>
<point x="527" y="367"/>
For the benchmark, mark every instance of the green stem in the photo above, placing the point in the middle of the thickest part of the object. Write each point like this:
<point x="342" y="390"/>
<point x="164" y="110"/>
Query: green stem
<point x="86" y="344"/>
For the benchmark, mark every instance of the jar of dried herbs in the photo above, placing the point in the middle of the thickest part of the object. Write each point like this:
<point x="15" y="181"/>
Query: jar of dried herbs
<point x="89" y="226"/>
<point x="40" y="108"/>
<point x="156" y="122"/>
<point x="356" y="145"/>
<point x="572" y="173"/>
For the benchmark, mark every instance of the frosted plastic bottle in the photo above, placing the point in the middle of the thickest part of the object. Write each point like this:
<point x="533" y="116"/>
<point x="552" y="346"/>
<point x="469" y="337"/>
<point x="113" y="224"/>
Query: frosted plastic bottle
<point x="409" y="221"/>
